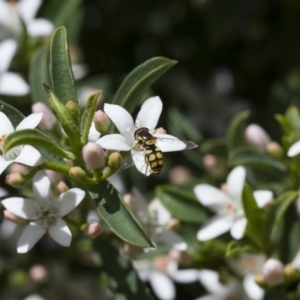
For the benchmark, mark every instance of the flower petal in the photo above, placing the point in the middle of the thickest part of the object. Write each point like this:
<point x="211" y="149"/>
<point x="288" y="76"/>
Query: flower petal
<point x="172" y="239"/>
<point x="114" y="142"/>
<point x="60" y="232"/>
<point x="29" y="156"/>
<point x="94" y="135"/>
<point x="238" y="228"/>
<point x="252" y="289"/>
<point x="32" y="233"/>
<point x="8" y="49"/>
<point x="168" y="143"/>
<point x="13" y="84"/>
<point x="235" y="183"/>
<point x="122" y="119"/>
<point x="39" y="27"/>
<point x="158" y="212"/>
<point x="28" y="8"/>
<point x="6" y="126"/>
<point x="211" y="281"/>
<point x="30" y="122"/>
<point x="162" y="285"/>
<point x="22" y="207"/>
<point x="215" y="227"/>
<point x="185" y="276"/>
<point x="263" y="197"/>
<point x="42" y="188"/>
<point x="149" y="114"/>
<point x="67" y="201"/>
<point x="294" y="149"/>
<point x="4" y="164"/>
<point x="211" y="197"/>
<point x="140" y="162"/>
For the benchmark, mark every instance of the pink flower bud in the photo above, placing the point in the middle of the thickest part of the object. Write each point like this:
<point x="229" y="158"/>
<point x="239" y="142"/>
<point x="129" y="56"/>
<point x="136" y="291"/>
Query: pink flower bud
<point x="49" y="120"/>
<point x="61" y="187"/>
<point x="15" y="180"/>
<point x="93" y="229"/>
<point x="273" y="271"/>
<point x="179" y="175"/>
<point x="54" y="177"/>
<point x="8" y="215"/>
<point x="257" y="137"/>
<point x="93" y="156"/>
<point x="38" y="273"/>
<point x="160" y="130"/>
<point x="102" y="121"/>
<point x="129" y="200"/>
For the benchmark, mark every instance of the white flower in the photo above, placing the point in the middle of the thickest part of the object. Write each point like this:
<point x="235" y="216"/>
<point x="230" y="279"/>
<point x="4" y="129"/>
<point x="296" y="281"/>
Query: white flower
<point x="44" y="213"/>
<point x="10" y="83"/>
<point x="227" y="206"/>
<point x="12" y="14"/>
<point x="294" y="149"/>
<point x="147" y="117"/>
<point x="26" y="155"/>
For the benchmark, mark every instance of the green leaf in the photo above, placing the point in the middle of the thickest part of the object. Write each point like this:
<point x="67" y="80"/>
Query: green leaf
<point x="181" y="204"/>
<point x="255" y="218"/>
<point x="236" y="247"/>
<point x="60" y="67"/>
<point x="139" y="80"/>
<point x="215" y="146"/>
<point x="36" y="139"/>
<point x="236" y="129"/>
<point x="247" y="157"/>
<point x="88" y="116"/>
<point x="14" y="115"/>
<point x="38" y="73"/>
<point x="118" y="269"/>
<point x="117" y="215"/>
<point x="286" y="126"/>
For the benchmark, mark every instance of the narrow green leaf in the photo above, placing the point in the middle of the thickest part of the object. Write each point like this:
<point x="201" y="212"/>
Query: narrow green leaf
<point x="117" y="215"/>
<point x="236" y="129"/>
<point x="181" y="204"/>
<point x="236" y="247"/>
<point x="38" y="73"/>
<point x="214" y="146"/>
<point x="87" y="117"/>
<point x="118" y="269"/>
<point x="14" y="115"/>
<point x="36" y="139"/>
<point x="282" y="120"/>
<point x="60" y="67"/>
<point x="139" y="80"/>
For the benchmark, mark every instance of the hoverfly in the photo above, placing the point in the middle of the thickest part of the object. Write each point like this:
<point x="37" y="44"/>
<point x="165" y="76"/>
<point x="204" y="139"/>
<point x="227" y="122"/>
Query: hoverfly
<point x="151" y="147"/>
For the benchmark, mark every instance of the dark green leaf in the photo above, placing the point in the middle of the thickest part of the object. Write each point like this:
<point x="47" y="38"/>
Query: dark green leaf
<point x="38" y="73"/>
<point x="117" y="215"/>
<point x="181" y="204"/>
<point x="139" y="80"/>
<point x="236" y="248"/>
<point x="215" y="146"/>
<point x="12" y="113"/>
<point x="60" y="67"/>
<point x="36" y="139"/>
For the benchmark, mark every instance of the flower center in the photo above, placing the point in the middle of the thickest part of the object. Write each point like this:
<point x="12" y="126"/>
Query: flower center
<point x="47" y="214"/>
<point x="161" y="263"/>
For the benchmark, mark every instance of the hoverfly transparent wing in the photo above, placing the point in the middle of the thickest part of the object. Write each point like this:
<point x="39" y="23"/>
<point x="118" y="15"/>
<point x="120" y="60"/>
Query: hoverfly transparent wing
<point x="127" y="162"/>
<point x="167" y="144"/>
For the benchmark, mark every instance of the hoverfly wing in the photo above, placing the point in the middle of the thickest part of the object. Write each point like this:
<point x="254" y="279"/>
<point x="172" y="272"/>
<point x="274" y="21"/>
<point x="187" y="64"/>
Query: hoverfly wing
<point x="167" y="144"/>
<point x="127" y="162"/>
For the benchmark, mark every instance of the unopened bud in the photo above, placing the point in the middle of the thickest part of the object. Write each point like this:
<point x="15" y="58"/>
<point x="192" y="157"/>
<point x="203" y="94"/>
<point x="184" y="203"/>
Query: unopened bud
<point x="93" y="156"/>
<point x="17" y="168"/>
<point x="38" y="273"/>
<point x="74" y="109"/>
<point x="273" y="272"/>
<point x="8" y="215"/>
<point x="182" y="257"/>
<point x="61" y="187"/>
<point x="257" y="137"/>
<point x="179" y="175"/>
<point x="291" y="273"/>
<point x="102" y="121"/>
<point x="114" y="161"/>
<point x="173" y="224"/>
<point x="49" y="120"/>
<point x="129" y="200"/>
<point x="160" y="130"/>
<point x="214" y="165"/>
<point x="92" y="229"/>
<point x="129" y="249"/>
<point x="77" y="174"/>
<point x="274" y="150"/>
<point x="54" y="177"/>
<point x="260" y="281"/>
<point x="15" y="180"/>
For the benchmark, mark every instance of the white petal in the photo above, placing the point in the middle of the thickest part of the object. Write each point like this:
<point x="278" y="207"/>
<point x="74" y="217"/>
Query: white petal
<point x="211" y="197"/>
<point x="13" y="84"/>
<point x="140" y="162"/>
<point x="251" y="288"/>
<point x="122" y="119"/>
<point x="294" y="149"/>
<point x="168" y="143"/>
<point x="67" y="201"/>
<point x="215" y="227"/>
<point x="173" y="239"/>
<point x="209" y="297"/>
<point x="60" y="232"/>
<point x="185" y="276"/>
<point x="263" y="197"/>
<point x="30" y="122"/>
<point x="42" y="188"/>
<point x="94" y="135"/>
<point x="4" y="164"/>
<point x="22" y="207"/>
<point x="235" y="183"/>
<point x="6" y="126"/>
<point x="211" y="281"/>
<point x="28" y="8"/>
<point x="8" y="49"/>
<point x="149" y="114"/>
<point x="114" y="142"/>
<point x="296" y="261"/>
<point x="161" y="215"/>
<point x="238" y="228"/>
<point x="39" y="27"/>
<point x="162" y="285"/>
<point x="32" y="233"/>
<point x="29" y="156"/>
